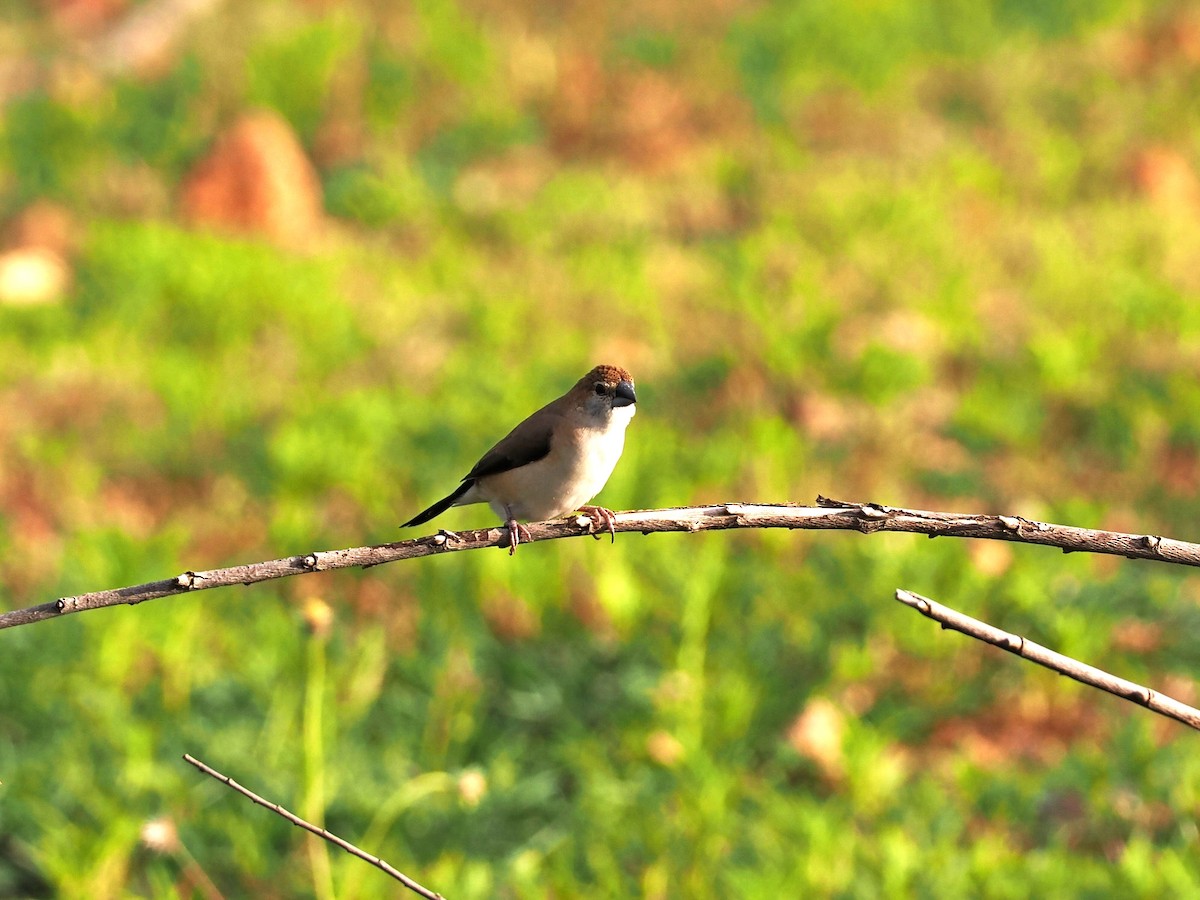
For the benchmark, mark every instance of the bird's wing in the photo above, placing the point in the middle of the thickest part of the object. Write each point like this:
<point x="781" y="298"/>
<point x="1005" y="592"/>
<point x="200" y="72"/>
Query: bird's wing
<point x="525" y="444"/>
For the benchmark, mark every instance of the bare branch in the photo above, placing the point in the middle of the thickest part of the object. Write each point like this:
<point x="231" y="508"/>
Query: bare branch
<point x="867" y="518"/>
<point x="320" y="832"/>
<point x="1064" y="665"/>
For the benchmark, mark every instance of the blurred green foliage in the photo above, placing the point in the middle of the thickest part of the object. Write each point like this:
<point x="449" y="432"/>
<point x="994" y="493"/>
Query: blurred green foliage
<point x="928" y="254"/>
<point x="293" y="72"/>
<point x="45" y="146"/>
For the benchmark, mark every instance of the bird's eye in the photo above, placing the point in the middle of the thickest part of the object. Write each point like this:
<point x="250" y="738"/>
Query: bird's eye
<point x="601" y="390"/>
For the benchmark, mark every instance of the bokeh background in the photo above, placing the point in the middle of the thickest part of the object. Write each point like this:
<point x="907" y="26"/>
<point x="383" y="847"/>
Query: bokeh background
<point x="273" y="274"/>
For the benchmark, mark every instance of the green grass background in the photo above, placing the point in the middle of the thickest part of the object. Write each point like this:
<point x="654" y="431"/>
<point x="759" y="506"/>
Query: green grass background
<point x="882" y="250"/>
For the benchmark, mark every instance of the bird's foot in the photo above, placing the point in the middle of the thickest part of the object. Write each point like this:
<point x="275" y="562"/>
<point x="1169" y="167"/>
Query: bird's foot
<point x="447" y="535"/>
<point x="516" y="533"/>
<point x="602" y="520"/>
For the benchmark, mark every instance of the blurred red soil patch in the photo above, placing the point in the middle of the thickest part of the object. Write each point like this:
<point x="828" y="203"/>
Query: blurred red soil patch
<point x="1171" y="37"/>
<point x="639" y="115"/>
<point x="256" y="179"/>
<point x="1024" y="726"/>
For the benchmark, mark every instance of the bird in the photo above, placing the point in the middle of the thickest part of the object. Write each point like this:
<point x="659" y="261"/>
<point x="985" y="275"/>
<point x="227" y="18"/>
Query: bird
<point x="555" y="461"/>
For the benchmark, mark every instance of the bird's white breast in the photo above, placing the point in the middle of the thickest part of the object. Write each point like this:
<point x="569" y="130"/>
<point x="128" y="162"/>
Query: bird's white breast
<point x="575" y="470"/>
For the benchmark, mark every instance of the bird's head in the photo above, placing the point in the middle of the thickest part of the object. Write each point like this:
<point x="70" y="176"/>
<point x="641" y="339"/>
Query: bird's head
<point x="605" y="390"/>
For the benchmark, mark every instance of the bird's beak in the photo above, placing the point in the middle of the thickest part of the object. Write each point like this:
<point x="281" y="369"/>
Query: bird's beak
<point x="624" y="395"/>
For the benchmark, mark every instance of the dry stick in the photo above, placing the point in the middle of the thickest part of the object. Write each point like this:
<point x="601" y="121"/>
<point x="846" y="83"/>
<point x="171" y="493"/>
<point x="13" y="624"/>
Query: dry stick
<point x="320" y="832"/>
<point x="867" y="518"/>
<point x="1064" y="665"/>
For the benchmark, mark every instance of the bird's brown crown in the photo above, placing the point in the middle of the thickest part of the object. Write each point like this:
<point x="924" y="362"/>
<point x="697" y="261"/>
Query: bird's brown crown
<point x="610" y="375"/>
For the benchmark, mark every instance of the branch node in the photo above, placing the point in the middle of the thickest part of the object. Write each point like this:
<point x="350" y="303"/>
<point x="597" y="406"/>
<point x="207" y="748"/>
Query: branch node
<point x="1151" y="542"/>
<point x="870" y="517"/>
<point x="1010" y="523"/>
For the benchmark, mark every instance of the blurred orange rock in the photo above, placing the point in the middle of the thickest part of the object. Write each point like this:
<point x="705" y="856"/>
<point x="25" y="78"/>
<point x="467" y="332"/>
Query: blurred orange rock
<point x="256" y="179"/>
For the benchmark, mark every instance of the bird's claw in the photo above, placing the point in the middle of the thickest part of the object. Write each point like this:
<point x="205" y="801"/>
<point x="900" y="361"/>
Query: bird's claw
<point x="602" y="520"/>
<point x="517" y="533"/>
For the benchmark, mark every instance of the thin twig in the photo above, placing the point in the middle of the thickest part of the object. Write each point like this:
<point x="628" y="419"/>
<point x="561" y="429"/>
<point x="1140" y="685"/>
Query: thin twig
<point x="1064" y="665"/>
<point x="867" y="518"/>
<point x="320" y="832"/>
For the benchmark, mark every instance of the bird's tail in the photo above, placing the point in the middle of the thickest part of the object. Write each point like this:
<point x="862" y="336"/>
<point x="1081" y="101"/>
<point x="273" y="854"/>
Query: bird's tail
<point x="440" y="507"/>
